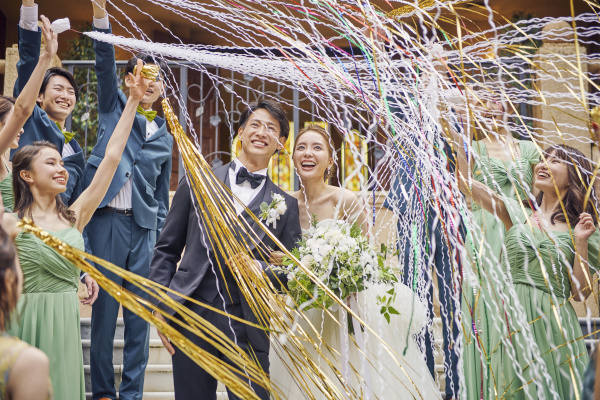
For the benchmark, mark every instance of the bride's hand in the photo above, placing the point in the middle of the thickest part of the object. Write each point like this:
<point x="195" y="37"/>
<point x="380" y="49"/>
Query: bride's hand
<point x="276" y="258"/>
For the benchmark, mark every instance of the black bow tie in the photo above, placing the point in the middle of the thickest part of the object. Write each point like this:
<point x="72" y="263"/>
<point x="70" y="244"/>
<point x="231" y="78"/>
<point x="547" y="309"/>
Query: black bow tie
<point x="254" y="179"/>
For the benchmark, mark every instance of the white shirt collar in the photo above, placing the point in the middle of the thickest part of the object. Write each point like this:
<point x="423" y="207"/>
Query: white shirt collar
<point x="238" y="164"/>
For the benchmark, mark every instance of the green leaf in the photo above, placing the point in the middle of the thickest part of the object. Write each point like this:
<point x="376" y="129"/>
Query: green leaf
<point x="391" y="291"/>
<point x="392" y="310"/>
<point x="264" y="206"/>
<point x="387" y="317"/>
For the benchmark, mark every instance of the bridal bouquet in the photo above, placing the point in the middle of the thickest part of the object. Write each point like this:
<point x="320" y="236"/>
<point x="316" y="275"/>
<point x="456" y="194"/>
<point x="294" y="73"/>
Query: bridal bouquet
<point x="342" y="258"/>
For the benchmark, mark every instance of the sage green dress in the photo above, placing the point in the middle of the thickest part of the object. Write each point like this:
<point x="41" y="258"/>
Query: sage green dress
<point x="539" y="264"/>
<point x="6" y="190"/>
<point x="48" y="310"/>
<point x="510" y="179"/>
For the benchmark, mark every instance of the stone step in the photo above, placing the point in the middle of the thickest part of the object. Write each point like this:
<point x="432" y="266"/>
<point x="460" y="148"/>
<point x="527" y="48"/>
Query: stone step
<point x="157" y="352"/>
<point x="159" y="378"/>
<point x="161" y="396"/>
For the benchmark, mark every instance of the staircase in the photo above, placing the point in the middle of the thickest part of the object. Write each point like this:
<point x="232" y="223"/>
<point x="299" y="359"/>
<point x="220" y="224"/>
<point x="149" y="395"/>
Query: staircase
<point x="158" y="384"/>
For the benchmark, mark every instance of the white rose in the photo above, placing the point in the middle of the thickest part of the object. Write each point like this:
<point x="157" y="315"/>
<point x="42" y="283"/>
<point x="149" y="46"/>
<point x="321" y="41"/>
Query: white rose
<point x="273" y="214"/>
<point x="281" y="208"/>
<point x="307" y="260"/>
<point x="277" y="197"/>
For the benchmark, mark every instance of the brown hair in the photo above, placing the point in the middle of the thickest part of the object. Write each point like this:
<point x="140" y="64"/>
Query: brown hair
<point x="9" y="281"/>
<point x="6" y="104"/>
<point x="573" y="200"/>
<point x="321" y="131"/>
<point x="23" y="197"/>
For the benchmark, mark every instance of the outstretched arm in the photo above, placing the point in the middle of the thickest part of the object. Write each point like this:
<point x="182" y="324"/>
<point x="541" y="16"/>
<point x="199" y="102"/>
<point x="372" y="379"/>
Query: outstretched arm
<point x="477" y="191"/>
<point x="26" y="101"/>
<point x="29" y="44"/>
<point x="105" y="67"/>
<point x="86" y="204"/>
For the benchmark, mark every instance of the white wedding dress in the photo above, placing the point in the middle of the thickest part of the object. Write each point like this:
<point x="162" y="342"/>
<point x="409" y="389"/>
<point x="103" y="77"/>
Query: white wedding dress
<point x="377" y="375"/>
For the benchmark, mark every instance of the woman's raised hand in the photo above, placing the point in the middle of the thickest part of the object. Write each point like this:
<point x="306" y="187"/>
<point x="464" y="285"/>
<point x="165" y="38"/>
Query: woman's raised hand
<point x="585" y="227"/>
<point x="136" y="84"/>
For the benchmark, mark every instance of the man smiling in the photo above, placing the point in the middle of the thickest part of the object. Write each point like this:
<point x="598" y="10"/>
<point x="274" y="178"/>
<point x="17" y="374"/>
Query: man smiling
<point x="263" y="126"/>
<point x="129" y="218"/>
<point x="57" y="98"/>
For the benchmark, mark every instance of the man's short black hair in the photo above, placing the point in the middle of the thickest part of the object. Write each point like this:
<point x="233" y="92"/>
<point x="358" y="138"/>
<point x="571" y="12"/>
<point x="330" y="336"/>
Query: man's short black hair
<point x="147" y="58"/>
<point x="56" y="71"/>
<point x="274" y="108"/>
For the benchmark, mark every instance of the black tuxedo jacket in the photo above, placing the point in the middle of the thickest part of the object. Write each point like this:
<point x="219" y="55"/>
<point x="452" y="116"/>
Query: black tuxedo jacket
<point x="195" y="277"/>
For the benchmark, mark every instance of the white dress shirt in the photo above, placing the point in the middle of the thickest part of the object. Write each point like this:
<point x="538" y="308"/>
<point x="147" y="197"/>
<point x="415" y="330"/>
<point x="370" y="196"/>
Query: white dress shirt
<point x="123" y="199"/>
<point x="244" y="192"/>
<point x="29" y="18"/>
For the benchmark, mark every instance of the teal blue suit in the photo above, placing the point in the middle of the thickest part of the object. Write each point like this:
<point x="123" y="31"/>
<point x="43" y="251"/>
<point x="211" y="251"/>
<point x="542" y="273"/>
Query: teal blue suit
<point x="39" y="126"/>
<point x="127" y="239"/>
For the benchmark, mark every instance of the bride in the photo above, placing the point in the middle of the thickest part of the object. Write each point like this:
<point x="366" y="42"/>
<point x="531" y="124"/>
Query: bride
<point x="359" y="364"/>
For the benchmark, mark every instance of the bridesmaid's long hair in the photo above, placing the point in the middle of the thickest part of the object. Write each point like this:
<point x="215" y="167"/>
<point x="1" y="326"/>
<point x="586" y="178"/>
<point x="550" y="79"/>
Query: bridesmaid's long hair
<point x="9" y="279"/>
<point x="23" y="197"/>
<point x="579" y="170"/>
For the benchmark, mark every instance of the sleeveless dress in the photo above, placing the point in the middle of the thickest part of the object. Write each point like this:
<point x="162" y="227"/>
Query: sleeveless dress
<point x="6" y="190"/>
<point x="510" y="179"/>
<point x="10" y="350"/>
<point x="48" y="311"/>
<point x="553" y="366"/>
<point x="379" y="373"/>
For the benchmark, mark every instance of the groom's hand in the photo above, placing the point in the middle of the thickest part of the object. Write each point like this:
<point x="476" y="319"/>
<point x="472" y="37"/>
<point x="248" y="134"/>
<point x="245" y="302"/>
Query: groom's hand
<point x="243" y="259"/>
<point x="165" y="341"/>
<point x="276" y="258"/>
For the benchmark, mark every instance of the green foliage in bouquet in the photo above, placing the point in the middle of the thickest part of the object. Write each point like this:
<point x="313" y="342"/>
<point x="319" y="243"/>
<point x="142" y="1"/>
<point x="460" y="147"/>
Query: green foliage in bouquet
<point x="342" y="258"/>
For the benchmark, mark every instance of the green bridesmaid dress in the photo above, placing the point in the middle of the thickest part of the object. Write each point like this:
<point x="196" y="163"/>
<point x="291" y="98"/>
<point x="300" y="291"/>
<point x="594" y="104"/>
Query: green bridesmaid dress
<point x="48" y="311"/>
<point x="6" y="190"/>
<point x="541" y="350"/>
<point x="506" y="178"/>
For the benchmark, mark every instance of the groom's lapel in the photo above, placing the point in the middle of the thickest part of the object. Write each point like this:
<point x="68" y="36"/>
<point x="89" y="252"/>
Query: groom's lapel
<point x="264" y="197"/>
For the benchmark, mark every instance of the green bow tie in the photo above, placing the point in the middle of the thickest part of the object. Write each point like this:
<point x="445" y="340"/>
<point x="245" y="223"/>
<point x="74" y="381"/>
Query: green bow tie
<point x="68" y="135"/>
<point x="150" y="115"/>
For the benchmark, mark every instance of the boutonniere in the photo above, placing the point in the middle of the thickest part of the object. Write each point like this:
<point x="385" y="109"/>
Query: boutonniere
<point x="270" y="213"/>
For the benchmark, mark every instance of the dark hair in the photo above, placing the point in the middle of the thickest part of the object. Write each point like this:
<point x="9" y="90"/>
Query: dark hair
<point x="147" y="58"/>
<point x="56" y="71"/>
<point x="23" y="197"/>
<point x="6" y="104"/>
<point x="579" y="182"/>
<point x="274" y="108"/>
<point x="321" y="131"/>
<point x="9" y="291"/>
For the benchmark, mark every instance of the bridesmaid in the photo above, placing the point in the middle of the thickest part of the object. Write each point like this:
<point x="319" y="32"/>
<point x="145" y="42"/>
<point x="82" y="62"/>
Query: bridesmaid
<point x="49" y="311"/>
<point x="23" y="368"/>
<point x="549" y="252"/>
<point x="505" y="165"/>
<point x="14" y="114"/>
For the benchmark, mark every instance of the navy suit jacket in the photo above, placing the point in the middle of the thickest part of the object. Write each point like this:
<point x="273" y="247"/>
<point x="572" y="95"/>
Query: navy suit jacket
<point x="194" y="275"/>
<point x="147" y="160"/>
<point x="39" y="126"/>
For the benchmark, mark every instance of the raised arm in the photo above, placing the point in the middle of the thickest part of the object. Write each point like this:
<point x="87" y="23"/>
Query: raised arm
<point x="581" y="270"/>
<point x="106" y="69"/>
<point x="86" y="204"/>
<point x="477" y="191"/>
<point x="26" y="101"/>
<point x="29" y="44"/>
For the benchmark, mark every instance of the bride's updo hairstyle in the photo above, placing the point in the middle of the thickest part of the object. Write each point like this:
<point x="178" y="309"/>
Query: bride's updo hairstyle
<point x="22" y="161"/>
<point x="321" y="131"/>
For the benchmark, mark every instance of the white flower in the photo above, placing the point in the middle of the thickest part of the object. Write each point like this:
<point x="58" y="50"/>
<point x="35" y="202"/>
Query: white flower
<point x="270" y="213"/>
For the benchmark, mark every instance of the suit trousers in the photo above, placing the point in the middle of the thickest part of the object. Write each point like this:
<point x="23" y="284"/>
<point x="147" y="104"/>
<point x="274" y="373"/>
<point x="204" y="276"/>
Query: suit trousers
<point x="192" y="382"/>
<point x="449" y="298"/>
<point x="119" y="240"/>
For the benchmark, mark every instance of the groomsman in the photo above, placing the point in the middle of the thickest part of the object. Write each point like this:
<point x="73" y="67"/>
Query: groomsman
<point x="57" y="98"/>
<point x="129" y="218"/>
<point x="263" y="126"/>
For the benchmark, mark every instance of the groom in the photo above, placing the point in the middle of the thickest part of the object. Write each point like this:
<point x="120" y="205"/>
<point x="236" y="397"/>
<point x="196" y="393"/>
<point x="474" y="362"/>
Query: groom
<point x="263" y="128"/>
